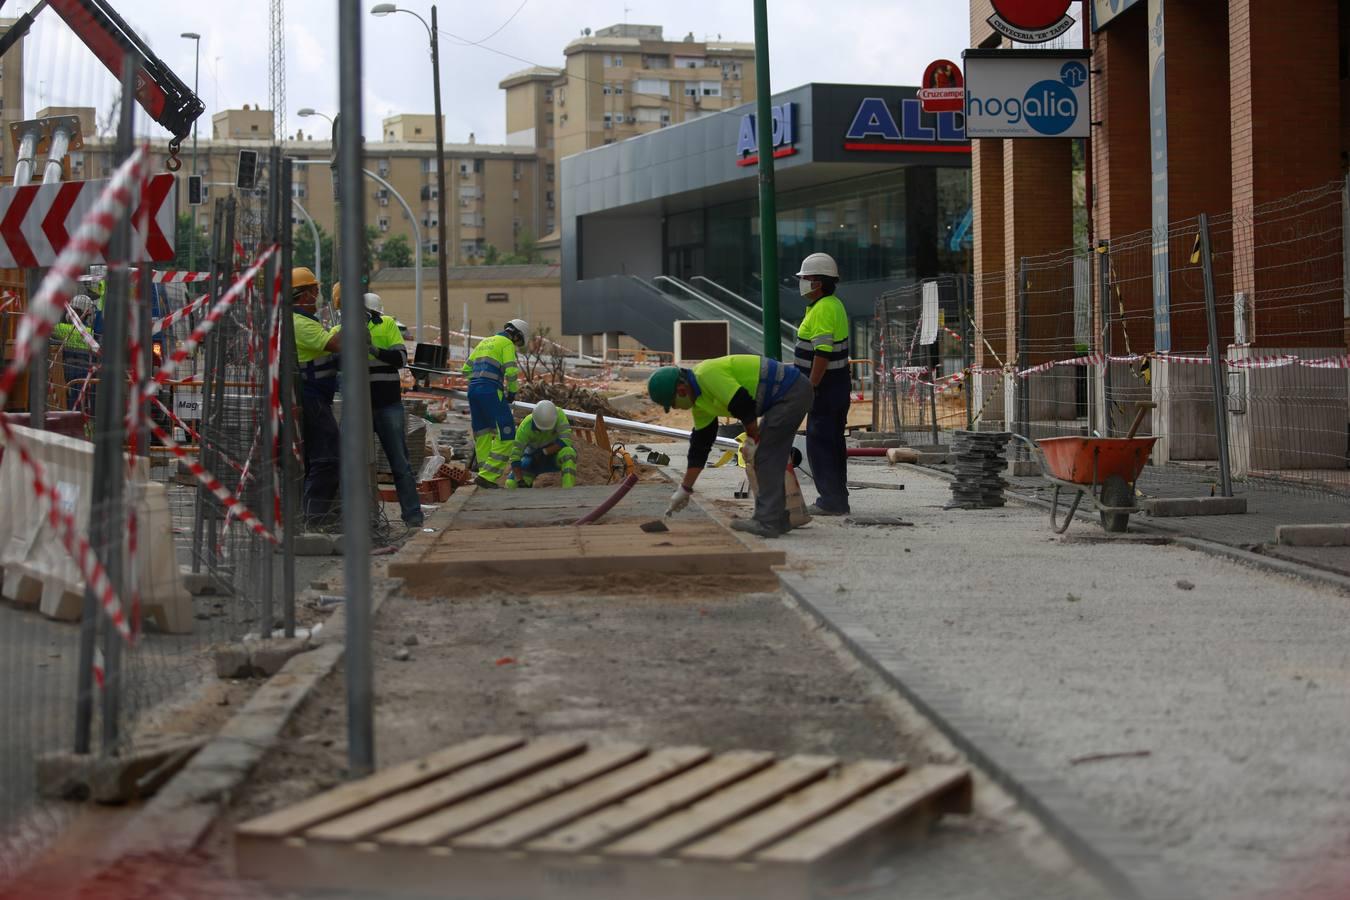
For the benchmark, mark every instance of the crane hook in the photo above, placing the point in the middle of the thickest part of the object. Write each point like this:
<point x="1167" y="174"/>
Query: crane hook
<point x="173" y="163"/>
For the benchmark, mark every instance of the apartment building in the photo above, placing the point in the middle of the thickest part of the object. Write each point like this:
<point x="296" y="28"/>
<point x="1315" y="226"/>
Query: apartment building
<point x="497" y="192"/>
<point x="620" y="82"/>
<point x="11" y="97"/>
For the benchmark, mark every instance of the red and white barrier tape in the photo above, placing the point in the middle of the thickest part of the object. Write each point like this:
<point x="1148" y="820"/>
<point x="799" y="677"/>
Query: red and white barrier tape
<point x="160" y="324"/>
<point x="186" y="349"/>
<point x="179" y="276"/>
<point x="85" y="334"/>
<point x="232" y="504"/>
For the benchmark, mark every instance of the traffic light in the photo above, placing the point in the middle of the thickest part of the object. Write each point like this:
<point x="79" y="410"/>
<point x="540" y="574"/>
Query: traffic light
<point x="246" y="179"/>
<point x="195" y="194"/>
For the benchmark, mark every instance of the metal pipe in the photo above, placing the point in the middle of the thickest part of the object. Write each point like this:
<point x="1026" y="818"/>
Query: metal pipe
<point x="272" y="230"/>
<point x="610" y="502"/>
<point x="768" y="203"/>
<point x="60" y="146"/>
<point x="37" y="373"/>
<point x="27" y="161"/>
<point x="314" y="233"/>
<point x="290" y="483"/>
<point x="1216" y="358"/>
<point x="865" y="451"/>
<point x="443" y="256"/>
<point x="417" y="253"/>
<point x="1104" y="305"/>
<point x="356" y="426"/>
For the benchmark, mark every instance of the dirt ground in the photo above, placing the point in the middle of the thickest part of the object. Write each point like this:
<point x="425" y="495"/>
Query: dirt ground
<point x="594" y="467"/>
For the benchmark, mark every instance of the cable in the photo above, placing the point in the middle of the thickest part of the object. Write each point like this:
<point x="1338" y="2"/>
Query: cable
<point x="479" y="42"/>
<point x="674" y="101"/>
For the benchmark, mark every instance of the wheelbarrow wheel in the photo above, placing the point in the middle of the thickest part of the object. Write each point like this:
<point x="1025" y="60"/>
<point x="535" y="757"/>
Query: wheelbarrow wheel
<point x="1116" y="491"/>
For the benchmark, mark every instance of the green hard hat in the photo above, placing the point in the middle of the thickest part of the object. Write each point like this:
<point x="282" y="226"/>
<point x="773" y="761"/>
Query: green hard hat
<point x="661" y="386"/>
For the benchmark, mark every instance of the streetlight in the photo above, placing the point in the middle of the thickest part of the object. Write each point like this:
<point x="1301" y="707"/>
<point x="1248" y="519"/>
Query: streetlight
<point x="196" y="77"/>
<point x="308" y="111"/>
<point x="384" y="9"/>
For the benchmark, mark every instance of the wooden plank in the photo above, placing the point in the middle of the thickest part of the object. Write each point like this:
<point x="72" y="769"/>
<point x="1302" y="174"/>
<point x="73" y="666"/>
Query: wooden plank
<point x="794" y="812"/>
<point x="403" y="807"/>
<point x="431" y="573"/>
<point x="577" y="802"/>
<point x="725" y="806"/>
<point x="607" y="824"/>
<point x="339" y="800"/>
<point x="931" y="788"/>
<point x="510" y="798"/>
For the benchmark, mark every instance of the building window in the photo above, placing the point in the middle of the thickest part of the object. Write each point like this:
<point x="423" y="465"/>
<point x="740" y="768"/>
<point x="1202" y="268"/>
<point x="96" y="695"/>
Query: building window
<point x="382" y="168"/>
<point x="548" y="172"/>
<point x="548" y="195"/>
<point x="467" y="249"/>
<point x="618" y="88"/>
<point x="710" y="88"/>
<point x="548" y="117"/>
<point x="417" y="131"/>
<point x="498" y="297"/>
<point x="548" y="95"/>
<point x="464" y="167"/>
<point x="606" y="90"/>
<point x="691" y="90"/>
<point x="563" y="120"/>
<point x="383" y="222"/>
<point x="613" y="61"/>
<point x="609" y="123"/>
<point x="477" y="166"/>
<point x="468" y="220"/>
<point x="659" y="87"/>
<point x="253" y="128"/>
<point x="298" y="191"/>
<point x="429" y="165"/>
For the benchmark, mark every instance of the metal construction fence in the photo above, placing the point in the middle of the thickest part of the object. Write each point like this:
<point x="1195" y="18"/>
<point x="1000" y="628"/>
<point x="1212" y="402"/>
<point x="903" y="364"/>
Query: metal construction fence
<point x="1246" y="360"/>
<point x="180" y="460"/>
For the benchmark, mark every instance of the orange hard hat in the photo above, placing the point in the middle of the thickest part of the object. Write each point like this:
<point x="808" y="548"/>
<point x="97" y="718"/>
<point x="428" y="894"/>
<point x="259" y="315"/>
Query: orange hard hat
<point x="302" y="276"/>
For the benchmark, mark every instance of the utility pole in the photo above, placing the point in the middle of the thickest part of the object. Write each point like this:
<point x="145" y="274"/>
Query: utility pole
<point x="768" y="204"/>
<point x="441" y="256"/>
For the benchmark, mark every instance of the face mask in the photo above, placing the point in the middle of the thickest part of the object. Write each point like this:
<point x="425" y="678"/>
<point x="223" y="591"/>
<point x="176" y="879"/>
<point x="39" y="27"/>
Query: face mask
<point x="805" y="286"/>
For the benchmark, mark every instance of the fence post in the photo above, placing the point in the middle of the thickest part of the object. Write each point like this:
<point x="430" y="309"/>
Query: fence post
<point x="1104" y="304"/>
<point x="967" y="351"/>
<point x="37" y="371"/>
<point x="219" y="276"/>
<point x="1022" y="393"/>
<point x="286" y="376"/>
<point x="267" y="473"/>
<point x="1216" y="358"/>
<point x="876" y="365"/>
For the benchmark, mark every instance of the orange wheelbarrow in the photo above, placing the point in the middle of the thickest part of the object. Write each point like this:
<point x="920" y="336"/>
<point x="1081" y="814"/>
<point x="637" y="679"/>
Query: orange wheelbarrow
<point x="1104" y="470"/>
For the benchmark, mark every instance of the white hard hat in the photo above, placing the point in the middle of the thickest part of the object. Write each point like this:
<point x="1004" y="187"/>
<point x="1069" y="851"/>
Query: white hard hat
<point x="517" y="330"/>
<point x="82" y="303"/>
<point x="374" y="302"/>
<point x="819" y="264"/>
<point x="545" y="415"/>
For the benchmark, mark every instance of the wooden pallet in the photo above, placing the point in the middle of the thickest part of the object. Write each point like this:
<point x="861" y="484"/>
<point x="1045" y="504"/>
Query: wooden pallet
<point x="693" y="547"/>
<point x="505" y="817"/>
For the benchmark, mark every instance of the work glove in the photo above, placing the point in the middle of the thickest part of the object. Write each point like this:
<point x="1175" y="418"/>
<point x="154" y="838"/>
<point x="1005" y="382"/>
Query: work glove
<point x="389" y="356"/>
<point x="510" y="483"/>
<point x="552" y="449"/>
<point x="678" y="500"/>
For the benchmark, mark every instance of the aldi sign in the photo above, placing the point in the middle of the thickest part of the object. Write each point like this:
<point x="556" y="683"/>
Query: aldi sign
<point x="784" y="135"/>
<point x="1027" y="93"/>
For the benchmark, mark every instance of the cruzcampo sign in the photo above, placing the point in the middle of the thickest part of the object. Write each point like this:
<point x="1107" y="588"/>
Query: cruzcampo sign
<point x="1031" y="21"/>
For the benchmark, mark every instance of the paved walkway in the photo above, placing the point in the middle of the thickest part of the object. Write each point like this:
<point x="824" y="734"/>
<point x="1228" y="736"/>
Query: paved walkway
<point x="1223" y="689"/>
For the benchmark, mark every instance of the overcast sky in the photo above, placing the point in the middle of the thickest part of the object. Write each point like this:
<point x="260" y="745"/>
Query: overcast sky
<point x="861" y="41"/>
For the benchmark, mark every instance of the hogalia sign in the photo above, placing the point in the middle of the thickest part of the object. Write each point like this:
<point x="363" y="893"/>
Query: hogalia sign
<point x="1031" y="21"/>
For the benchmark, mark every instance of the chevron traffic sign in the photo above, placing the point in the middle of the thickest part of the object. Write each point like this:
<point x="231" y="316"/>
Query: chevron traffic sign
<point x="38" y="220"/>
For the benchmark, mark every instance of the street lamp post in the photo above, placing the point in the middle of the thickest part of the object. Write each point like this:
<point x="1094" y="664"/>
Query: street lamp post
<point x="196" y="81"/>
<point x="384" y="9"/>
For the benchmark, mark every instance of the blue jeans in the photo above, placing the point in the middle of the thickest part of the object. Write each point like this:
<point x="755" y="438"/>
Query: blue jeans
<point x="389" y="427"/>
<point x="825" y="448"/>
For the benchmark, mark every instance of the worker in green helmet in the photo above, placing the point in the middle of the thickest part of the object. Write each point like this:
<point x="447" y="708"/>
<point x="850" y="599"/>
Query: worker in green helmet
<point x="769" y="398"/>
<point x="543" y="444"/>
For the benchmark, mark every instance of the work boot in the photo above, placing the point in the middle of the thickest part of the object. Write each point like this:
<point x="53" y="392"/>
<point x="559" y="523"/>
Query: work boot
<point x="755" y="527"/>
<point x="485" y="483"/>
<point x="510" y="484"/>
<point x="815" y="510"/>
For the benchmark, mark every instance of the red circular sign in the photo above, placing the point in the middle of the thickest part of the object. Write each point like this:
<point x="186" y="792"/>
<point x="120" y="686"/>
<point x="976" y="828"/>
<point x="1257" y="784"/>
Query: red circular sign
<point x="1032" y="15"/>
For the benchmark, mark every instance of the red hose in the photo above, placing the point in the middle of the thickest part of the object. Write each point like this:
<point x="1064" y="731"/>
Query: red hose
<point x="610" y="502"/>
<point x="866" y="451"/>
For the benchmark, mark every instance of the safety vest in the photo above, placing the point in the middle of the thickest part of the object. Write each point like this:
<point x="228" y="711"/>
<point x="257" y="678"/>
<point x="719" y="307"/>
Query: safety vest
<point x="531" y="437"/>
<point x="64" y="333"/>
<point x="494" y="361"/>
<point x="824" y="328"/>
<point x="318" y="367"/>
<point x="384" y="381"/>
<point x="716" y="382"/>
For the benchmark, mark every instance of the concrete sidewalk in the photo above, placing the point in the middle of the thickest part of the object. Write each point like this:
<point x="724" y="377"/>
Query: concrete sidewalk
<point x="1224" y="690"/>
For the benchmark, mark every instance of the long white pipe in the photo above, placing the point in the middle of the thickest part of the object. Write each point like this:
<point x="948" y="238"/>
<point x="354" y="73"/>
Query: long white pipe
<point x="23" y="168"/>
<point x="60" y="144"/>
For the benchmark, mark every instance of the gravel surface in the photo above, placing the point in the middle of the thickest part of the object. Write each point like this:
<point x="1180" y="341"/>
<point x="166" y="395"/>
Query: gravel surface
<point x="1224" y="690"/>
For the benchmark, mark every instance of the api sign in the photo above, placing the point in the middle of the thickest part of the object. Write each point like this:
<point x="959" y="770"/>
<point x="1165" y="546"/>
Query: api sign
<point x="1027" y="93"/>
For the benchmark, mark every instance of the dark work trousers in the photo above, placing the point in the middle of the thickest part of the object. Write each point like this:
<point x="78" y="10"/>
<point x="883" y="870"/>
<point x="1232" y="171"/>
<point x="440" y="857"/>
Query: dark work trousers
<point x="777" y="427"/>
<point x="391" y="425"/>
<point x="825" y="449"/>
<point x="322" y="448"/>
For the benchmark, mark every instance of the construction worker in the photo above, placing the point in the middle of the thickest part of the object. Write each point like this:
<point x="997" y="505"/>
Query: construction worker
<point x="822" y="354"/>
<point x="76" y="355"/>
<point x="493" y="382"/>
<point x="770" y="399"/>
<point x="316" y="350"/>
<point x="387" y="356"/>
<point x="543" y="444"/>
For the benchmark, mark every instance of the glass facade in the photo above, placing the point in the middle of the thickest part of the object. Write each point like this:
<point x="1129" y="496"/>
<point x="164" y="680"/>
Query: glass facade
<point x="896" y="227"/>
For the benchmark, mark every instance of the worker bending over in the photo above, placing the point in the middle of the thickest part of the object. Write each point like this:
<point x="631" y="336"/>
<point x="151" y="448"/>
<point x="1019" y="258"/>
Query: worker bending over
<point x="770" y="399"/>
<point x="387" y="355"/>
<point x="543" y="444"/>
<point x="77" y="357"/>
<point x="493" y="382"/>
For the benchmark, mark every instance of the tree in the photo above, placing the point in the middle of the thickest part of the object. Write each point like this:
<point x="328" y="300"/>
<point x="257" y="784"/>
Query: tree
<point x="302" y="253"/>
<point x="492" y="256"/>
<point x="527" y="250"/>
<point x="182" y="242"/>
<point x="396" y="253"/>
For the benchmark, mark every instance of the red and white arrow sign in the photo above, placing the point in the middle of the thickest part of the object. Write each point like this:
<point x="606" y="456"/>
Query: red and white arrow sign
<point x="37" y="221"/>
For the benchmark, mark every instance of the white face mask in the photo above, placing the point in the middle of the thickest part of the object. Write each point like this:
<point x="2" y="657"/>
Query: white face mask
<point x="805" y="286"/>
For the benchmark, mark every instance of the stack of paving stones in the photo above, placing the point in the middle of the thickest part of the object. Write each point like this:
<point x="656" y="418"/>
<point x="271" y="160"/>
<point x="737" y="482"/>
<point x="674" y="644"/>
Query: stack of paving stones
<point x="979" y="464"/>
